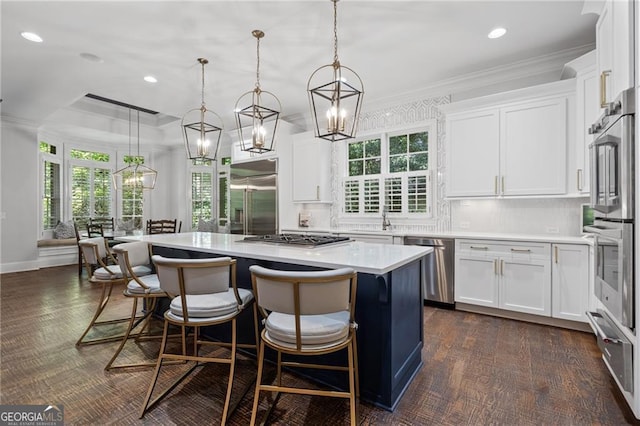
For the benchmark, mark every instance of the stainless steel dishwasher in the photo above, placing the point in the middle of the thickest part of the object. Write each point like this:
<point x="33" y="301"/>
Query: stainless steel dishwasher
<point x="437" y="277"/>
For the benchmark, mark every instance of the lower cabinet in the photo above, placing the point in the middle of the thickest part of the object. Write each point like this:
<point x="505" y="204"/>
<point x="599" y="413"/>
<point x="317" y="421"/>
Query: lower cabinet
<point x="536" y="278"/>
<point x="369" y="238"/>
<point x="570" y="281"/>
<point x="507" y="275"/>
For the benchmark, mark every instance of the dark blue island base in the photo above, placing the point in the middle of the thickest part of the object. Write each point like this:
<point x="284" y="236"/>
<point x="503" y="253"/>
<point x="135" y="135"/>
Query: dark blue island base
<point x="389" y="311"/>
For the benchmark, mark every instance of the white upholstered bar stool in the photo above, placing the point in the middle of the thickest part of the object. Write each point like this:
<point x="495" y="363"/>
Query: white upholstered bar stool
<point x="135" y="260"/>
<point x="309" y="314"/>
<point x="206" y="294"/>
<point x="107" y="273"/>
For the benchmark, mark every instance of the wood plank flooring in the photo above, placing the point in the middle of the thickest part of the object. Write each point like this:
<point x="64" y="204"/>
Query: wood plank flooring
<point x="477" y="370"/>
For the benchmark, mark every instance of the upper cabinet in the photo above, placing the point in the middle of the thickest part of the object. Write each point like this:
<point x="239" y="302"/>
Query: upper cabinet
<point x="311" y="167"/>
<point x="584" y="70"/>
<point x="615" y="55"/>
<point x="511" y="144"/>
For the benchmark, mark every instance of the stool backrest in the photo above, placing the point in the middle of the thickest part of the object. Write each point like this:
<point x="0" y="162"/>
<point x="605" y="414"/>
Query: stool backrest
<point x="133" y="254"/>
<point x="304" y="292"/>
<point x="195" y="276"/>
<point x="94" y="249"/>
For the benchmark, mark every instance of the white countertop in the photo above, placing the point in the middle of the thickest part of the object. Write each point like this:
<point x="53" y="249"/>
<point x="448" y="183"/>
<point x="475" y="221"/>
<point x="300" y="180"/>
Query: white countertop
<point x="547" y="238"/>
<point x="363" y="257"/>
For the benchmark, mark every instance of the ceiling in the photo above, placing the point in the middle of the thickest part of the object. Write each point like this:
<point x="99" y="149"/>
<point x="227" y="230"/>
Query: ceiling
<point x="396" y="48"/>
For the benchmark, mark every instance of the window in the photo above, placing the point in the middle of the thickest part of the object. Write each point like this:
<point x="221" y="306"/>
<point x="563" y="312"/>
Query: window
<point x="201" y="188"/>
<point x="51" y="203"/>
<point x="391" y="171"/>
<point x="131" y="196"/>
<point x="90" y="182"/>
<point x="223" y="191"/>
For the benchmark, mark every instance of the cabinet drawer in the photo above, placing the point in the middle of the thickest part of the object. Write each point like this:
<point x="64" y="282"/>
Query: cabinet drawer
<point x="504" y="248"/>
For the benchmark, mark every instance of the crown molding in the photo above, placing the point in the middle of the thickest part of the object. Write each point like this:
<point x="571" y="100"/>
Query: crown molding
<point x="553" y="62"/>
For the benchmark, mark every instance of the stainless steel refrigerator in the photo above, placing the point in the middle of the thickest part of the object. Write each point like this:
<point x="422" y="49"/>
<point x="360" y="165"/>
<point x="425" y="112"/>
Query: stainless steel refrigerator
<point x="254" y="198"/>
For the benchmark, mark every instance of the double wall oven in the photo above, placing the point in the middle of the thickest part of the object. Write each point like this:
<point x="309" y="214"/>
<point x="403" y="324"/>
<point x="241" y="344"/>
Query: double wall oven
<point x="612" y="198"/>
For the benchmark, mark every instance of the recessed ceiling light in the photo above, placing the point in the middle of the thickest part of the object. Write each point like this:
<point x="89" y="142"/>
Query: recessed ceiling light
<point x="497" y="32"/>
<point x="91" y="57"/>
<point x="31" y="36"/>
<point x="150" y="79"/>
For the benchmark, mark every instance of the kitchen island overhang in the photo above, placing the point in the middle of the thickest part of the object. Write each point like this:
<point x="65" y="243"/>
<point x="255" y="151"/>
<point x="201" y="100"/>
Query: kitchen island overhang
<point x="389" y="302"/>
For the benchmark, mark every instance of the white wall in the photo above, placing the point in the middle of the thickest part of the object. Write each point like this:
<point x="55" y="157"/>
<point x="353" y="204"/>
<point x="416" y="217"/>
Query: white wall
<point x="19" y="205"/>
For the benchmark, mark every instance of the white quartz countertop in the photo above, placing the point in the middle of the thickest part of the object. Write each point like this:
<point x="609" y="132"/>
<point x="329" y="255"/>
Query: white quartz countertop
<point x="363" y="257"/>
<point x="548" y="238"/>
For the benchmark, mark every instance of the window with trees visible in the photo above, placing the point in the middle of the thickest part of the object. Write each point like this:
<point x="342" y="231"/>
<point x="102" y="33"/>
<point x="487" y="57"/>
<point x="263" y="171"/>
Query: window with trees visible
<point x="51" y="185"/>
<point x="223" y="191"/>
<point x="132" y="196"/>
<point x="90" y="185"/>
<point x="391" y="171"/>
<point x="201" y="191"/>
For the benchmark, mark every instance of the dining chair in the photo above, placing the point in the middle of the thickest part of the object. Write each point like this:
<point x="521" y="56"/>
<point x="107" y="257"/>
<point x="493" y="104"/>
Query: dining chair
<point x="106" y="272"/>
<point x="108" y="223"/>
<point x="206" y="294"/>
<point x="94" y="230"/>
<point x="135" y="260"/>
<point x="163" y="226"/>
<point x="306" y="314"/>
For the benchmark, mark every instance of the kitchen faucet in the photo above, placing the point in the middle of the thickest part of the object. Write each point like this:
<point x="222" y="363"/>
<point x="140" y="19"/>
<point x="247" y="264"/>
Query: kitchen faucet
<point x="385" y="221"/>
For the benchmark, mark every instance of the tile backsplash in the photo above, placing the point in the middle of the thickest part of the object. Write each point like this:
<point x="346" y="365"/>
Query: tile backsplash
<point x="559" y="216"/>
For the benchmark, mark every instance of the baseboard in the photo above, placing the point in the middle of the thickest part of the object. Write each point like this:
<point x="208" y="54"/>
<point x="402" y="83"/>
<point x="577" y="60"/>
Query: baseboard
<point x="32" y="265"/>
<point x="537" y="319"/>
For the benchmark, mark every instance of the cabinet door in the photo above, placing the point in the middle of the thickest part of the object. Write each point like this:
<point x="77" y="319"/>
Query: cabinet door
<point x="311" y="169"/>
<point x="623" y="55"/>
<point x="476" y="280"/>
<point x="473" y="154"/>
<point x="525" y="285"/>
<point x="588" y="107"/>
<point x="604" y="50"/>
<point x="570" y="281"/>
<point x="533" y="147"/>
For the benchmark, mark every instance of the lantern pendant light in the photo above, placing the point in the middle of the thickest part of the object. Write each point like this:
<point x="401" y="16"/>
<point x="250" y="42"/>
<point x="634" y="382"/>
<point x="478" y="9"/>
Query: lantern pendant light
<point x="202" y="129"/>
<point x="335" y="96"/>
<point x="258" y="122"/>
<point x="135" y="174"/>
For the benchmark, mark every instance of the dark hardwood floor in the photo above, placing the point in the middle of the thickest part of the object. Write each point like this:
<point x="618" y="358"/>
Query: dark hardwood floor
<point x="477" y="370"/>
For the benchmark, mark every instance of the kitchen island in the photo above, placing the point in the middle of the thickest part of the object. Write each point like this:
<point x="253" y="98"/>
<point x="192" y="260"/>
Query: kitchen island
<point x="389" y="307"/>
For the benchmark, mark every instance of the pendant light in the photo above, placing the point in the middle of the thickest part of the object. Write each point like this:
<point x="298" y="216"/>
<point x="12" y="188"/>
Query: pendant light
<point x="260" y="117"/>
<point x="335" y="95"/>
<point x="202" y="130"/>
<point x="135" y="174"/>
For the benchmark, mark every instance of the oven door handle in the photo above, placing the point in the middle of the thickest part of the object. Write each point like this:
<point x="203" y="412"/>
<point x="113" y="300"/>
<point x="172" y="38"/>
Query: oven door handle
<point x="600" y="332"/>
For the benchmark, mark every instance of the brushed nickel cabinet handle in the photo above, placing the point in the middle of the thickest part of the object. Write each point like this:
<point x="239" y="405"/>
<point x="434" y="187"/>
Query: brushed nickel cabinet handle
<point x="502" y="267"/>
<point x="579" y="180"/>
<point x="318" y="192"/>
<point x="479" y="247"/>
<point x="495" y="266"/>
<point x="555" y="252"/>
<point x="521" y="250"/>
<point x="502" y="185"/>
<point x="603" y="88"/>
<point x="495" y="185"/>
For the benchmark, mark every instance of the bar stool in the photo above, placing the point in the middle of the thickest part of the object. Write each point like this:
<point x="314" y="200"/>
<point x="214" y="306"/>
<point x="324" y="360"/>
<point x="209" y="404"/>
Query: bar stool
<point x="307" y="314"/>
<point x="104" y="270"/>
<point x="135" y="260"/>
<point x="205" y="294"/>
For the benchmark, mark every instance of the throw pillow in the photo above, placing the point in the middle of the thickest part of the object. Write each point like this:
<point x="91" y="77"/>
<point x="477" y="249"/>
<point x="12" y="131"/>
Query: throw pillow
<point x="206" y="225"/>
<point x="64" y="230"/>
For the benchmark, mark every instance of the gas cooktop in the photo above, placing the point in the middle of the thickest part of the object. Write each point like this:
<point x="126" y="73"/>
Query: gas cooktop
<point x="297" y="239"/>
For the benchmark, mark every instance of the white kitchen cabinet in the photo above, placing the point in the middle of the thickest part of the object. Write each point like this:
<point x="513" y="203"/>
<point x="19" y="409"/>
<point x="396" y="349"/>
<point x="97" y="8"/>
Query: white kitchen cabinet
<point x="570" y="281"/>
<point x="533" y="148"/>
<point x="311" y="165"/>
<point x="511" y="144"/>
<point x="473" y="153"/>
<point x="509" y="275"/>
<point x="614" y="43"/>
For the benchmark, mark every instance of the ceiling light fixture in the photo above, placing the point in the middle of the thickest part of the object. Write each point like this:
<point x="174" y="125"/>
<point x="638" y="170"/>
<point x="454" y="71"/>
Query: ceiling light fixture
<point x="261" y="116"/>
<point x="135" y="174"/>
<point x="150" y="79"/>
<point x="201" y="138"/>
<point x="31" y="36"/>
<point x="497" y="32"/>
<point x="335" y="105"/>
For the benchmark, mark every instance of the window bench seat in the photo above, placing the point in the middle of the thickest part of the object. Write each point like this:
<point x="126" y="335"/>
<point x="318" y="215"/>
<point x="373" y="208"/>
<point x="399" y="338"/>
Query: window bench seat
<point x="57" y="252"/>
